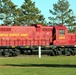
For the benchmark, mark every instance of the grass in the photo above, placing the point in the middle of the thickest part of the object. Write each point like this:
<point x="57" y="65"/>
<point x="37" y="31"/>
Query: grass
<point x="32" y="65"/>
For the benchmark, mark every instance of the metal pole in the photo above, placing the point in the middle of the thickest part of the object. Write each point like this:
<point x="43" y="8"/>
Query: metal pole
<point x="39" y="51"/>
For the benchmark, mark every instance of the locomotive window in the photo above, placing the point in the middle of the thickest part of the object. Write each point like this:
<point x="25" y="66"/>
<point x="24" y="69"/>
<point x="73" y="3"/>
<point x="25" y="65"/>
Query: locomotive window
<point x="62" y="32"/>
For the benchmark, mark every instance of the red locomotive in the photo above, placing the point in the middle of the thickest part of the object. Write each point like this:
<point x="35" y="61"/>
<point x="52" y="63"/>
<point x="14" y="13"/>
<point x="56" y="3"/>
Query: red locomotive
<point x="26" y="39"/>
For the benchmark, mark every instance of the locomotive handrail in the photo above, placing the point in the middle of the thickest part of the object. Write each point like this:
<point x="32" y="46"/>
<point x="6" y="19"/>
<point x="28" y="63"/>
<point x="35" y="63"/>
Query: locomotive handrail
<point x="54" y="36"/>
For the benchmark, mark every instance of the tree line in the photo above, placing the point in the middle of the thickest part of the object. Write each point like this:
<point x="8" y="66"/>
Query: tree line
<point x="29" y="14"/>
<point x="62" y="14"/>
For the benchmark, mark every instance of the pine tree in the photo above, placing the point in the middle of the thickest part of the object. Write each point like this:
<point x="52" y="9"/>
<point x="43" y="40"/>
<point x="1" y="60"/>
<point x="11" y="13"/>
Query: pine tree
<point x="9" y="9"/>
<point x="61" y="14"/>
<point x="31" y="14"/>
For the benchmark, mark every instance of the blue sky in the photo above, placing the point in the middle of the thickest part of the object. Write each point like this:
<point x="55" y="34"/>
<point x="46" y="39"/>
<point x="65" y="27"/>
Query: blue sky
<point x="45" y="5"/>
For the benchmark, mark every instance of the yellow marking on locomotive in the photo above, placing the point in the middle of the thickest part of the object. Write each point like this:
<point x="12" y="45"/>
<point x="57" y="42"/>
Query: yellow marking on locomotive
<point x="61" y="37"/>
<point x="24" y="34"/>
<point x="47" y="46"/>
<point x="13" y="34"/>
<point x="3" y="34"/>
<point x="13" y="46"/>
<point x="62" y="46"/>
<point x="27" y="47"/>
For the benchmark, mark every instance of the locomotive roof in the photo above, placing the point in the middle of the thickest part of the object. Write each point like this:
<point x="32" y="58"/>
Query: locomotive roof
<point x="60" y="27"/>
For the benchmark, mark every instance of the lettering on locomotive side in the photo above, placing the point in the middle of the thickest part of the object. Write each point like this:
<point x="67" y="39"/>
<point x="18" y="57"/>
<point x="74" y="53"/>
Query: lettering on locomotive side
<point x="24" y="35"/>
<point x="13" y="35"/>
<point x="3" y="34"/>
<point x="61" y="37"/>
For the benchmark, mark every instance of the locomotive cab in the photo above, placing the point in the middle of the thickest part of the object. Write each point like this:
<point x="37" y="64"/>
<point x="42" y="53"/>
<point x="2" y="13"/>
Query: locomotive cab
<point x="60" y="33"/>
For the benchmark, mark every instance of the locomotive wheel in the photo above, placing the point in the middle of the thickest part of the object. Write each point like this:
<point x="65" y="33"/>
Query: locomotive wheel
<point x="1" y="51"/>
<point x="25" y="51"/>
<point x="74" y="51"/>
<point x="67" y="52"/>
<point x="16" y="52"/>
<point x="6" y="53"/>
<point x="11" y="53"/>
<point x="28" y="51"/>
<point x="52" y="53"/>
<point x="59" y="53"/>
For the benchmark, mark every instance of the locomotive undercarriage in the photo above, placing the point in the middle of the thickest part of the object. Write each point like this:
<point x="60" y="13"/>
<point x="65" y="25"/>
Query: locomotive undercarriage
<point x="56" y="51"/>
<point x="9" y="52"/>
<point x="48" y="50"/>
<point x="63" y="51"/>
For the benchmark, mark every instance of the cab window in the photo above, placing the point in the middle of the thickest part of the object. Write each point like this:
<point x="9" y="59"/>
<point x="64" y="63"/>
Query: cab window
<point x="61" y="32"/>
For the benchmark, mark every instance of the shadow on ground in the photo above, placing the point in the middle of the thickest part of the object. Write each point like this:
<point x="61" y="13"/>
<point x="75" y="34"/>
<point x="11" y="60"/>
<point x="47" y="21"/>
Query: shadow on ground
<point x="42" y="65"/>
